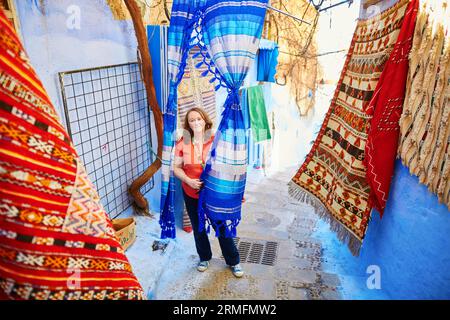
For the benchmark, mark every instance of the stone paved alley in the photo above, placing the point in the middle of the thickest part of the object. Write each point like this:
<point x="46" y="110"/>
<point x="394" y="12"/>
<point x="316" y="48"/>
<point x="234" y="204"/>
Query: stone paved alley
<point x="280" y="257"/>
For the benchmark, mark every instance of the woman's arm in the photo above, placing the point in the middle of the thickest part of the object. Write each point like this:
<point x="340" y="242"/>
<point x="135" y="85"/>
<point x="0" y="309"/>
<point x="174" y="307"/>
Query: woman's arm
<point x="178" y="162"/>
<point x="180" y="174"/>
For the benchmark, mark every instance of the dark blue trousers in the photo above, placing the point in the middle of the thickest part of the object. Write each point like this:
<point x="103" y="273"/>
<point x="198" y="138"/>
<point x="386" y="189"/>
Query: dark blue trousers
<point x="229" y="250"/>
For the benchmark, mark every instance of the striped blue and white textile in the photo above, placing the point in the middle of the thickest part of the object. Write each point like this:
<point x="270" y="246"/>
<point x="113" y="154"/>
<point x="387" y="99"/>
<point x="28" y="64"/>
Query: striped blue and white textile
<point x="228" y="33"/>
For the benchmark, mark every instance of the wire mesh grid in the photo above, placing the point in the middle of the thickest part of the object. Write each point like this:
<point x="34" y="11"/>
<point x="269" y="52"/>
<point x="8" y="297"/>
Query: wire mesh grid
<point x="110" y="124"/>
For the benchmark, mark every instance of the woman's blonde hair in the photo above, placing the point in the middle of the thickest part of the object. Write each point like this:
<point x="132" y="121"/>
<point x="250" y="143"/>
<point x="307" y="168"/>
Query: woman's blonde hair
<point x="203" y="114"/>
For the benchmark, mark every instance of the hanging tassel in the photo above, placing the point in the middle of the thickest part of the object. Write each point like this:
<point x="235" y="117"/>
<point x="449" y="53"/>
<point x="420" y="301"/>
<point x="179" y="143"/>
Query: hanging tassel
<point x="168" y="232"/>
<point x="302" y="195"/>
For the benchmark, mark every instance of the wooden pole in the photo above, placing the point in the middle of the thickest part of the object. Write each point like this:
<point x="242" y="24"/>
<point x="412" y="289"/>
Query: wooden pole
<point x="140" y="203"/>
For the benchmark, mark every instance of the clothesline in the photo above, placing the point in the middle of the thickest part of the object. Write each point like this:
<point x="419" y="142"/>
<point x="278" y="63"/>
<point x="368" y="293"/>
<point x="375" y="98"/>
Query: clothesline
<point x="317" y="55"/>
<point x="337" y="4"/>
<point x="317" y="8"/>
<point x="287" y="14"/>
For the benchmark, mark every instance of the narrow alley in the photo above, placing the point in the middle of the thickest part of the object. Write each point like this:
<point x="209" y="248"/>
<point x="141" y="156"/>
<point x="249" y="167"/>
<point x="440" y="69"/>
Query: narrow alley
<point x="314" y="135"/>
<point x="279" y="254"/>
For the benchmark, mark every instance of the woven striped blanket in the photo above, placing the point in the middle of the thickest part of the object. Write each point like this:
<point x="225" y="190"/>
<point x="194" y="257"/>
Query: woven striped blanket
<point x="56" y="240"/>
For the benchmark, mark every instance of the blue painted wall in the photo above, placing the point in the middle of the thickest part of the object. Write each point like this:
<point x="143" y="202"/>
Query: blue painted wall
<point x="410" y="245"/>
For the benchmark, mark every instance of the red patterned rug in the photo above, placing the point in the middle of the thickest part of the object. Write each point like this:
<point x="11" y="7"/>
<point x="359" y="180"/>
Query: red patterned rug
<point x="333" y="176"/>
<point x="56" y="240"/>
<point x="385" y="108"/>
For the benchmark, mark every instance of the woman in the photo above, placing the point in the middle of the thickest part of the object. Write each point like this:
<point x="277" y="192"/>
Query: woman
<point x="190" y="157"/>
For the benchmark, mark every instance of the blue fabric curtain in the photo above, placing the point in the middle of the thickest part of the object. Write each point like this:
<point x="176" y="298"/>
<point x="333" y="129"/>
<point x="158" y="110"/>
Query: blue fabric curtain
<point x="182" y="22"/>
<point x="244" y="107"/>
<point x="228" y="34"/>
<point x="231" y="33"/>
<point x="267" y="61"/>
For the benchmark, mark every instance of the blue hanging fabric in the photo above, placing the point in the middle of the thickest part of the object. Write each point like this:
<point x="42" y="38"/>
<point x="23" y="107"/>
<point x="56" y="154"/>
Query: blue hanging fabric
<point x="182" y="23"/>
<point x="231" y="32"/>
<point x="267" y="61"/>
<point x="244" y="107"/>
<point x="227" y="33"/>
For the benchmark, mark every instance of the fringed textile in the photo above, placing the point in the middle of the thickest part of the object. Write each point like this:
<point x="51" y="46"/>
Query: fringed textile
<point x="424" y="125"/>
<point x="385" y="109"/>
<point x="56" y="240"/>
<point x="183" y="20"/>
<point x="228" y="46"/>
<point x="231" y="32"/>
<point x="195" y="90"/>
<point x="333" y="176"/>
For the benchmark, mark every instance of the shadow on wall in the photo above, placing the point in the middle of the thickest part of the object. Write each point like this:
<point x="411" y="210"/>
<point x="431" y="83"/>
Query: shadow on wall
<point x="408" y="249"/>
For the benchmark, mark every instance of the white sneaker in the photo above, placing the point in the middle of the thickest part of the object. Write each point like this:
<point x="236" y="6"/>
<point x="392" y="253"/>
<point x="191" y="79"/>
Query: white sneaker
<point x="203" y="266"/>
<point x="237" y="270"/>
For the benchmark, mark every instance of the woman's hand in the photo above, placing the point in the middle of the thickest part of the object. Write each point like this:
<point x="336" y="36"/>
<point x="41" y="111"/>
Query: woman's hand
<point x="194" y="183"/>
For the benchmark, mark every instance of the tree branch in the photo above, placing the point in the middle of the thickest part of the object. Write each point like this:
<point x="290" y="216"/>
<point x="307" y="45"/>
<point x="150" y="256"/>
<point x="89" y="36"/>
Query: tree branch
<point x="140" y="203"/>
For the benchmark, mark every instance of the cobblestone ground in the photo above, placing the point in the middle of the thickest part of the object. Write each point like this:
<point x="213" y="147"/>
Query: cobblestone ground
<point x="280" y="258"/>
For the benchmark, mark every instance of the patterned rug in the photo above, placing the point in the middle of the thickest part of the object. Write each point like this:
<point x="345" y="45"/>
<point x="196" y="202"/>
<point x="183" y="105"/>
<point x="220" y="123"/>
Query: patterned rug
<point x="56" y="240"/>
<point x="424" y="144"/>
<point x="385" y="108"/>
<point x="195" y="90"/>
<point x="333" y="176"/>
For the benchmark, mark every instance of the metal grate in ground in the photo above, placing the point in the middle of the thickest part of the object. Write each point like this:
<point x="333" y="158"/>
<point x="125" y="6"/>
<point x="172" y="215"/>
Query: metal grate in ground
<point x="257" y="251"/>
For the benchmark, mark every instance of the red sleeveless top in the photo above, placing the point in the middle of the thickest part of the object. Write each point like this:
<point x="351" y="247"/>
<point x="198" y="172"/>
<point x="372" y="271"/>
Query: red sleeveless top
<point x="184" y="153"/>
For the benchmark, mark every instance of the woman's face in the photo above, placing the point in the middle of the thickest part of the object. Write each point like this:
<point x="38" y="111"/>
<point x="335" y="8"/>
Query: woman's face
<point x="196" y="122"/>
